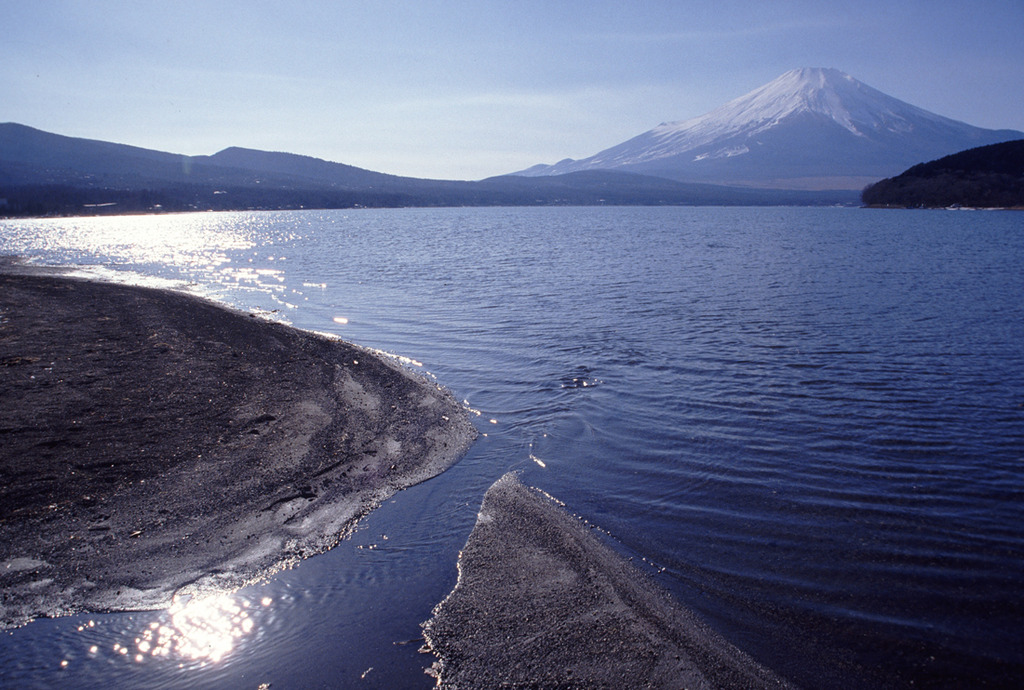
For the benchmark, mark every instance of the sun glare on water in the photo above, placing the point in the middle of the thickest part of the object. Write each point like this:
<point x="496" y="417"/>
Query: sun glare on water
<point x="203" y="629"/>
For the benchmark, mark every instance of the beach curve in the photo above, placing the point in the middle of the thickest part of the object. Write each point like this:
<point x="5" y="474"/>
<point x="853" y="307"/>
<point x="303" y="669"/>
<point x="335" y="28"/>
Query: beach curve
<point x="154" y="443"/>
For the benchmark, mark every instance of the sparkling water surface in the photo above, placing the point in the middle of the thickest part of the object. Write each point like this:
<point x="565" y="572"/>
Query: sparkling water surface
<point x="807" y="424"/>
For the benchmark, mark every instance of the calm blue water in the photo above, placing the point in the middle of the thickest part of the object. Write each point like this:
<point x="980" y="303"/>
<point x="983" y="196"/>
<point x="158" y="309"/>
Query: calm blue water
<point x="808" y="424"/>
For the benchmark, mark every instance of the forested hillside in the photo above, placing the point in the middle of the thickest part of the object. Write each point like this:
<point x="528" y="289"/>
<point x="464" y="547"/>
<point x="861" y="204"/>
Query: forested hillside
<point x="984" y="177"/>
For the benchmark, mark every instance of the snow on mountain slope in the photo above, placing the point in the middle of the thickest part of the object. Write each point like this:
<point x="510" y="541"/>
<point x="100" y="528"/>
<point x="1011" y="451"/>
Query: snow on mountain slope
<point x="809" y="128"/>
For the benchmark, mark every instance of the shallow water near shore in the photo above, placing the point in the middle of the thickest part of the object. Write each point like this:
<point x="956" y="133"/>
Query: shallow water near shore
<point x="808" y="424"/>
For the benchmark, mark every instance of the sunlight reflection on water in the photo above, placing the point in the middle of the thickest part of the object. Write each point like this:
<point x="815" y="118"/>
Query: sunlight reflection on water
<point x="194" y="629"/>
<point x="200" y="240"/>
<point x="223" y="256"/>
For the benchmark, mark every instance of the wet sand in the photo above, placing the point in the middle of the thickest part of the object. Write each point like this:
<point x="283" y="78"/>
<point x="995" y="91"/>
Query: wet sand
<point x="153" y="442"/>
<point x="541" y="602"/>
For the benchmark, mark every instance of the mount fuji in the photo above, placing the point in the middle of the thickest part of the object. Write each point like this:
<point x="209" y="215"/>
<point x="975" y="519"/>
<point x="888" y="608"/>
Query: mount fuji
<point x="811" y="128"/>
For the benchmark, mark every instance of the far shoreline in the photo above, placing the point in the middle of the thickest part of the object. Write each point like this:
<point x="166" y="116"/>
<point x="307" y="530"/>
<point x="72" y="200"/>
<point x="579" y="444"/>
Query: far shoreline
<point x="145" y="213"/>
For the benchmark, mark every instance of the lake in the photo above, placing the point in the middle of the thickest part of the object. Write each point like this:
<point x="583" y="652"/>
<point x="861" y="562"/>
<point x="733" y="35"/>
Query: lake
<point x="806" y="423"/>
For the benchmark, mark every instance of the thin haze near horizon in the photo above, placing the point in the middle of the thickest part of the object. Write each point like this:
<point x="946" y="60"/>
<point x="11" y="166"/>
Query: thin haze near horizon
<point x="472" y="88"/>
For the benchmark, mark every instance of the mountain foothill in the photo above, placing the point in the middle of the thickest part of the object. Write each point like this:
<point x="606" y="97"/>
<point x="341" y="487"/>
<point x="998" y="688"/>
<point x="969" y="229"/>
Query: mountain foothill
<point x="984" y="177"/>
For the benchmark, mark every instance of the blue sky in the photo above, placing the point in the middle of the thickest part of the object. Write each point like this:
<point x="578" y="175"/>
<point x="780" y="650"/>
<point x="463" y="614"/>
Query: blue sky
<point x="467" y="89"/>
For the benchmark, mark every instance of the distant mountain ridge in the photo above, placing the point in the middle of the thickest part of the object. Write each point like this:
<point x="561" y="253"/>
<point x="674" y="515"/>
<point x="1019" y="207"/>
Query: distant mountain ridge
<point x="53" y="158"/>
<point x="43" y="173"/>
<point x="810" y="128"/>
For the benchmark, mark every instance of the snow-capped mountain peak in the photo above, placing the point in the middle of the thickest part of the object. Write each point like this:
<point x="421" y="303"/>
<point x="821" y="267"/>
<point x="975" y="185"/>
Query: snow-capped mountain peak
<point x="842" y="122"/>
<point x="827" y="92"/>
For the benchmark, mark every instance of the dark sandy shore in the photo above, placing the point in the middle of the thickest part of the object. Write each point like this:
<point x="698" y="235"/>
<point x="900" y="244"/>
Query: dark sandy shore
<point x="152" y="442"/>
<point x="542" y="603"/>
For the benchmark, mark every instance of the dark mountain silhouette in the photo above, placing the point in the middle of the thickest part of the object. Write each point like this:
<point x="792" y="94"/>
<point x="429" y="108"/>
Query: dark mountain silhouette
<point x="45" y="158"/>
<point x="983" y="177"/>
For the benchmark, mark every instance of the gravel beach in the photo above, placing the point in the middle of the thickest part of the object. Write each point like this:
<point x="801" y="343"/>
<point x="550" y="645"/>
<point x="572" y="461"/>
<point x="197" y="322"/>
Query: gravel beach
<point x="542" y="603"/>
<point x="154" y="443"/>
